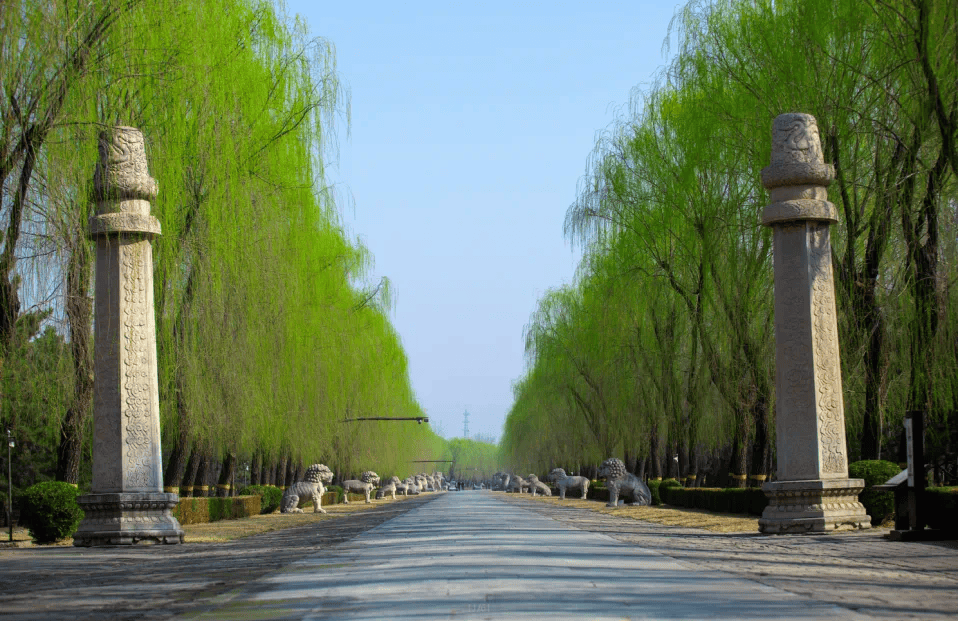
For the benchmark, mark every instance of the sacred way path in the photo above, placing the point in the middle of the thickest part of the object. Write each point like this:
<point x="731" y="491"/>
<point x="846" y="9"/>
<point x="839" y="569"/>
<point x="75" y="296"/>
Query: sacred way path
<point x="485" y="555"/>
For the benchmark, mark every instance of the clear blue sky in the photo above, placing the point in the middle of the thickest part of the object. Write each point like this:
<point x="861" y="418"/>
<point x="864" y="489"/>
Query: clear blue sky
<point x="471" y="126"/>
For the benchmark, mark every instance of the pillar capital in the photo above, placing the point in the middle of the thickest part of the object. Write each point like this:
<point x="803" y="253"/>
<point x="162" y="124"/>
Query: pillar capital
<point x="798" y="177"/>
<point x="122" y="185"/>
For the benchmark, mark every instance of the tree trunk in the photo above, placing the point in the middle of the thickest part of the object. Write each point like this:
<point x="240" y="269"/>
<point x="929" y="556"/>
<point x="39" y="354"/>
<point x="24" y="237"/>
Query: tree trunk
<point x="291" y="468"/>
<point x="692" y="475"/>
<point x="189" y="474"/>
<point x="264" y="468"/>
<point x="656" y="465"/>
<point x="872" y="418"/>
<point x="281" y="471"/>
<point x="176" y="464"/>
<point x="683" y="465"/>
<point x="737" y="464"/>
<point x="255" y="477"/>
<point x="79" y="310"/>
<point x="227" y="471"/>
<point x="761" y="447"/>
<point x="201" y="480"/>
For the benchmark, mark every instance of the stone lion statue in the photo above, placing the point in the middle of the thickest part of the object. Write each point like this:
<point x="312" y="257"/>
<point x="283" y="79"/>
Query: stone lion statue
<point x="411" y="488"/>
<point x="365" y="485"/>
<point x="621" y="481"/>
<point x="389" y="487"/>
<point x="564" y="482"/>
<point x="310" y="488"/>
<point x="535" y="485"/>
<point x="517" y="484"/>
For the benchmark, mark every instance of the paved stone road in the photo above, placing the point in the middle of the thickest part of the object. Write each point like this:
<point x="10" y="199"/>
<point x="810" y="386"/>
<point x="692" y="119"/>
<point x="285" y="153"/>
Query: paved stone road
<point x="478" y="555"/>
<point x="159" y="582"/>
<point x="860" y="571"/>
<point x="472" y="556"/>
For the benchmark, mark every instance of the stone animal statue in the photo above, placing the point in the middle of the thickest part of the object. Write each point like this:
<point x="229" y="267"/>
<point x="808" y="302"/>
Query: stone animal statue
<point x="621" y="481"/>
<point x="565" y="483"/>
<point x="517" y="484"/>
<point x="422" y="483"/>
<point x="366" y="484"/>
<point x="310" y="488"/>
<point x="535" y="485"/>
<point x="411" y="488"/>
<point x="386" y="489"/>
<point x="501" y="480"/>
<point x="389" y="487"/>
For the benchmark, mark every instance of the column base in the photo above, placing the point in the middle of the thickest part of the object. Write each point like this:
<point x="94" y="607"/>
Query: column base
<point x="127" y="519"/>
<point x="817" y="506"/>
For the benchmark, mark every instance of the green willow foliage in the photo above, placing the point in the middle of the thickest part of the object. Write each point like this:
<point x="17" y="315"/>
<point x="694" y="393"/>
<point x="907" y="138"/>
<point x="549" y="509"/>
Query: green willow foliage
<point x="267" y="339"/>
<point x="663" y="350"/>
<point x="472" y="460"/>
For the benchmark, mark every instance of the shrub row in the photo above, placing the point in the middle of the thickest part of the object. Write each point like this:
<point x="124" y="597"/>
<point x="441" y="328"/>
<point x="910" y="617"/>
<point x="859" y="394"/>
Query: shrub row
<point x="212" y="509"/>
<point x="729" y="500"/>
<point x="941" y="507"/>
<point x="879" y="505"/>
<point x="333" y="489"/>
<point x="271" y="496"/>
<point x="657" y="486"/>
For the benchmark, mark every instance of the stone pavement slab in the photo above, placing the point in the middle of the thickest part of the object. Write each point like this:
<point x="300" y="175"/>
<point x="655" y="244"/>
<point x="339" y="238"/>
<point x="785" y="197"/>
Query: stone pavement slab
<point x="158" y="582"/>
<point x="858" y="570"/>
<point x="470" y="555"/>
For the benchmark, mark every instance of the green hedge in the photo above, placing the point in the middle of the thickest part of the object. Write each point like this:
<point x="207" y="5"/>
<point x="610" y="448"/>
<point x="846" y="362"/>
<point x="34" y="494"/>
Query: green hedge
<point x="211" y="509"/>
<point x="729" y="500"/>
<point x="878" y="504"/>
<point x="941" y="507"/>
<point x="656" y="486"/>
<point x="271" y="495"/>
<point x="49" y="511"/>
<point x="597" y="491"/>
<point x="336" y="489"/>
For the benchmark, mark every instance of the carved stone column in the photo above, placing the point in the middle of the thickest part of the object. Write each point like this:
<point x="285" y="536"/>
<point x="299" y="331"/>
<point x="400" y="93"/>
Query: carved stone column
<point x="812" y="492"/>
<point x="127" y="504"/>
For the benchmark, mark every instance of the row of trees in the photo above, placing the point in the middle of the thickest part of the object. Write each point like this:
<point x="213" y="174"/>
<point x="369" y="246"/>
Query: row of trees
<point x="268" y="335"/>
<point x="662" y="351"/>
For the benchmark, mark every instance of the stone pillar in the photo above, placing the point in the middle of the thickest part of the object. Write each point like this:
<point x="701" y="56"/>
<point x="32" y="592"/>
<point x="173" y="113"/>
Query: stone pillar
<point x="127" y="504"/>
<point x="812" y="492"/>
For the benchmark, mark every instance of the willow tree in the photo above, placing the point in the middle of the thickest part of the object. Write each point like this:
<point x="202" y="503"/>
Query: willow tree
<point x="880" y="78"/>
<point x="267" y="337"/>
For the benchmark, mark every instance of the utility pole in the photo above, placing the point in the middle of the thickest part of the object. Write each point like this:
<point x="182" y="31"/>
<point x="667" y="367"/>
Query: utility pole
<point x="10" y="444"/>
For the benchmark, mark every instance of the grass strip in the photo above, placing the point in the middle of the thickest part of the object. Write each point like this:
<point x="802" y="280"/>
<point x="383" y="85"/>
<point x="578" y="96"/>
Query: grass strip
<point x="662" y="514"/>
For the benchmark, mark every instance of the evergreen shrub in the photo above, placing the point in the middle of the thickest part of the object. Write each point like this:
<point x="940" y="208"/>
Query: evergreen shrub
<point x="729" y="500"/>
<point x="880" y="505"/>
<point x="757" y="501"/>
<point x="597" y="491"/>
<point x="199" y="510"/>
<point x="49" y="511"/>
<point x="941" y="507"/>
<point x="339" y="494"/>
<point x="656" y="488"/>
<point x="270" y="496"/>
